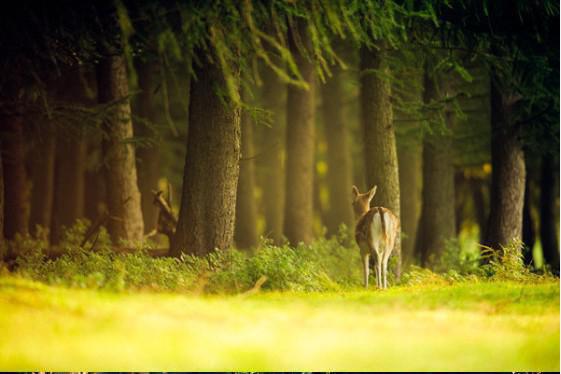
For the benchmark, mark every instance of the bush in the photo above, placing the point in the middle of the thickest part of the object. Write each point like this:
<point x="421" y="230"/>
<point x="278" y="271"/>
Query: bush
<point x="323" y="265"/>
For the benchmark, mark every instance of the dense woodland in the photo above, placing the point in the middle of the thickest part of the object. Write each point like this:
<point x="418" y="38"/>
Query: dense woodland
<point x="255" y="118"/>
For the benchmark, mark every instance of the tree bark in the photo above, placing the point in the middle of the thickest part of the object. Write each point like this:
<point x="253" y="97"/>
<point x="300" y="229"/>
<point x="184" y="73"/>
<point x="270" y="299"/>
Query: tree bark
<point x="528" y="226"/>
<point x="509" y="174"/>
<point x="208" y="203"/>
<point x="147" y="157"/>
<point x="300" y="134"/>
<point x="438" y="216"/>
<point x="69" y="183"/>
<point x="409" y="184"/>
<point x="43" y="175"/>
<point x="15" y="178"/>
<point x="548" y="212"/>
<point x="273" y="95"/>
<point x="123" y="197"/>
<point x="246" y="209"/>
<point x="379" y="137"/>
<point x="95" y="197"/>
<point x="339" y="172"/>
<point x="1" y="202"/>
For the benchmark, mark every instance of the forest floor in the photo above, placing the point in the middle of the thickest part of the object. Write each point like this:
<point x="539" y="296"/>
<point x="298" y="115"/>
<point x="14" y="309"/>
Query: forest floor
<point x="477" y="326"/>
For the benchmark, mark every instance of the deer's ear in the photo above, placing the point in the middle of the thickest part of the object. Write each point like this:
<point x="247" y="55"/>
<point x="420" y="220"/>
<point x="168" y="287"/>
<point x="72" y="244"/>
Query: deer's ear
<point x="372" y="192"/>
<point x="355" y="192"/>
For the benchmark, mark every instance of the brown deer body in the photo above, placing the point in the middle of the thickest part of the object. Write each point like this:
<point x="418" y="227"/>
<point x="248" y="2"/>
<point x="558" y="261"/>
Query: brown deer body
<point x="375" y="233"/>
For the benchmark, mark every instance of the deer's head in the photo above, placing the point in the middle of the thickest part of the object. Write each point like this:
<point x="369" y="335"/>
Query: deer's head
<point x="361" y="201"/>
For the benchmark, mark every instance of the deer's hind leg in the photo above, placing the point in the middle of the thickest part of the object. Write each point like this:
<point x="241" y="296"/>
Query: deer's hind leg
<point x="365" y="268"/>
<point x="385" y="260"/>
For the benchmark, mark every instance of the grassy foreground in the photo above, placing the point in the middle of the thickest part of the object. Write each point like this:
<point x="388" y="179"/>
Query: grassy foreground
<point x="486" y="326"/>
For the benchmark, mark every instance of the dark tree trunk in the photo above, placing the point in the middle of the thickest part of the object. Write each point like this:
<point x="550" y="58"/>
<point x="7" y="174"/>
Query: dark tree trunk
<point x="409" y="184"/>
<point x="528" y="226"/>
<point x="379" y="137"/>
<point x="147" y="157"/>
<point x="273" y="95"/>
<point x="438" y="217"/>
<point x="509" y="174"/>
<point x="339" y="171"/>
<point x="548" y="212"/>
<point x="43" y="173"/>
<point x="70" y="157"/>
<point x="123" y="196"/>
<point x="300" y="141"/>
<point x="210" y="179"/>
<point x="69" y="182"/>
<point x="246" y="209"/>
<point x="15" y="178"/>
<point x="95" y="198"/>
<point x="1" y="201"/>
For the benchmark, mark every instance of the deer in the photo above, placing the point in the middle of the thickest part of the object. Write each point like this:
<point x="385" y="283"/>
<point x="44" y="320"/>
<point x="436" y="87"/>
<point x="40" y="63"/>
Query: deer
<point x="375" y="233"/>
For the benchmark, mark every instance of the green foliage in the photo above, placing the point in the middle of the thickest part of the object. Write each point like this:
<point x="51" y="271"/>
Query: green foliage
<point x="324" y="265"/>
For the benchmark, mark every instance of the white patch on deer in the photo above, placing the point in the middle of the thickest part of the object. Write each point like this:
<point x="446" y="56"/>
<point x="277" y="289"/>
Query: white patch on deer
<point x="378" y="242"/>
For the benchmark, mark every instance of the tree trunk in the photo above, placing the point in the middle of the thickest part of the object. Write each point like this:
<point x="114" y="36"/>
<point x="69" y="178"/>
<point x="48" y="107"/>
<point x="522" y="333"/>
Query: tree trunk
<point x="379" y="138"/>
<point x="548" y="212"/>
<point x="43" y="173"/>
<point x="246" y="210"/>
<point x="1" y="202"/>
<point x="300" y="133"/>
<point x="528" y="227"/>
<point x="208" y="203"/>
<point x="273" y="95"/>
<point x="409" y="177"/>
<point x="95" y="197"/>
<point x="509" y="174"/>
<point x="147" y="157"/>
<point x="438" y="216"/>
<point x="69" y="183"/>
<point x="70" y="157"/>
<point x="15" y="178"/>
<point x="339" y="171"/>
<point x="123" y="196"/>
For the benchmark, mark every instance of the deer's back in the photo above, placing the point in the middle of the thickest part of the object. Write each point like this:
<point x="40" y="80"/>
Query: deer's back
<point x="378" y="228"/>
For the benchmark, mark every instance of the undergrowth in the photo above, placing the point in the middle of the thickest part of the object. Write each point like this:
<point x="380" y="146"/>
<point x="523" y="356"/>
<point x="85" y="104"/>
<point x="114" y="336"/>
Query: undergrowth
<point x="326" y="264"/>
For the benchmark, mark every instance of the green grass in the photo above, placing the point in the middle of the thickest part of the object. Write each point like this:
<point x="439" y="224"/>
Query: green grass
<point x="480" y="326"/>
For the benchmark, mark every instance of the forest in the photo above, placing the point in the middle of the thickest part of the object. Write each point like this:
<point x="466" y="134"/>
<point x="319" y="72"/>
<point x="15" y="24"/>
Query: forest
<point x="351" y="185"/>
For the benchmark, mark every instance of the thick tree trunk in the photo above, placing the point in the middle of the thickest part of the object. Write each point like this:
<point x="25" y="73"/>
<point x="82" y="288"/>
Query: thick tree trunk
<point x="379" y="137"/>
<point x="246" y="209"/>
<point x="43" y="174"/>
<point x="147" y="157"/>
<point x="509" y="175"/>
<point x="15" y="178"/>
<point x="528" y="226"/>
<point x="123" y="196"/>
<point x="548" y="212"/>
<point x="438" y="216"/>
<point x="210" y="179"/>
<point x="409" y="184"/>
<point x="339" y="171"/>
<point x="300" y="134"/>
<point x="271" y="162"/>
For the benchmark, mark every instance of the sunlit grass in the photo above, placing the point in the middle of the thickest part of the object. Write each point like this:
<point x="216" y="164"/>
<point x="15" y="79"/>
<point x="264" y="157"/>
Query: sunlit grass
<point x="487" y="326"/>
